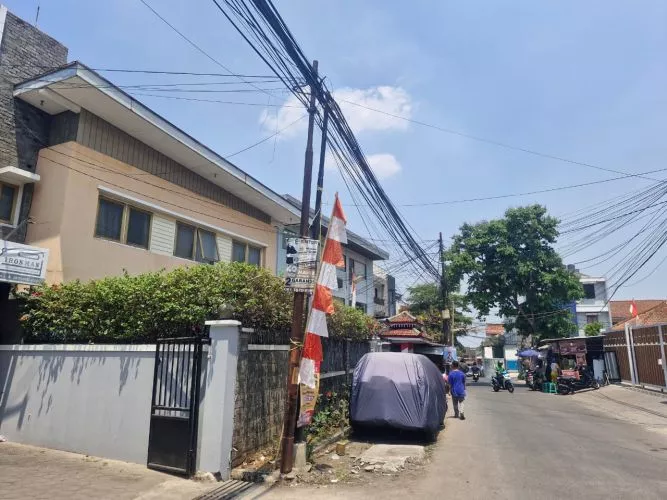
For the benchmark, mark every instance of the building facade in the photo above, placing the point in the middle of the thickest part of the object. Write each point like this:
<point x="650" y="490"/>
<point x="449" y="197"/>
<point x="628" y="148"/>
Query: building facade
<point x="594" y="306"/>
<point x="110" y="186"/>
<point x="359" y="256"/>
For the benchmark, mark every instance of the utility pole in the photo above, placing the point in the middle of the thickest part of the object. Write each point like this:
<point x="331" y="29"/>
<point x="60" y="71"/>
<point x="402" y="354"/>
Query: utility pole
<point x="296" y="336"/>
<point x="444" y="296"/>
<point x="317" y="223"/>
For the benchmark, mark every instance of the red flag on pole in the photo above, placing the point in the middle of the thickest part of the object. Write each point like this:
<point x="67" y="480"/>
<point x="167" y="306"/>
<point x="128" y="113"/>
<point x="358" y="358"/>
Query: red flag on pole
<point x="322" y="305"/>
<point x="633" y="309"/>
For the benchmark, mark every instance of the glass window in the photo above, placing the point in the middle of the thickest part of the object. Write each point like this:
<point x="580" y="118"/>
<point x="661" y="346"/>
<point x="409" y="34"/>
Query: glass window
<point x="589" y="291"/>
<point x="207" y="248"/>
<point x="255" y="256"/>
<point x="185" y="241"/>
<point x="109" y="220"/>
<point x="238" y="252"/>
<point x="7" y="198"/>
<point x="138" y="228"/>
<point x="591" y="318"/>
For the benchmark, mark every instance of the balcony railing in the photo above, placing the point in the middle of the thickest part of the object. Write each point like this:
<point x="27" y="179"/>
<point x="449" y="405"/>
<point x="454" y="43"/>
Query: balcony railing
<point x="378" y="301"/>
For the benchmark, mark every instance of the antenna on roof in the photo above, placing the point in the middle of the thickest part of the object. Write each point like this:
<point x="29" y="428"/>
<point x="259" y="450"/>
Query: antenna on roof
<point x="37" y="16"/>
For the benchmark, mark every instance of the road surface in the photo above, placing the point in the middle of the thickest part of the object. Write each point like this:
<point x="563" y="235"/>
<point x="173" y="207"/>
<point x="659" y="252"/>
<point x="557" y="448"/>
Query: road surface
<point x="532" y="445"/>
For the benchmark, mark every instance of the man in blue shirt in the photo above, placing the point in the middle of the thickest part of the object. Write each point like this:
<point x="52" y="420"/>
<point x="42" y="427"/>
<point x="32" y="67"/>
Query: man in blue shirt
<point x="457" y="384"/>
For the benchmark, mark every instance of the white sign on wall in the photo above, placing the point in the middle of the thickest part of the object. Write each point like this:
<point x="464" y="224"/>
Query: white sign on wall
<point x="22" y="264"/>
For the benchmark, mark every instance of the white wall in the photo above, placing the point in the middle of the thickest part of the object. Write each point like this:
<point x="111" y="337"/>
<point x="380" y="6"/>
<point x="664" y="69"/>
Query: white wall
<point x="91" y="399"/>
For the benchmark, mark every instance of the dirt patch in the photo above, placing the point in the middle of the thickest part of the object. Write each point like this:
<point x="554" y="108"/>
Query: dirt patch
<point x="329" y="468"/>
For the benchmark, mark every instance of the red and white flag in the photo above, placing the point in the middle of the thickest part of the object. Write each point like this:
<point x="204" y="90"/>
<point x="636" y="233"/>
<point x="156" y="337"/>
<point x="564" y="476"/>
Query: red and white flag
<point x="322" y="303"/>
<point x="633" y="309"/>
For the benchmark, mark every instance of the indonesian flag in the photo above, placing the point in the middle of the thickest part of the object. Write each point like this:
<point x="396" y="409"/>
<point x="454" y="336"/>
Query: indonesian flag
<point x="633" y="309"/>
<point x="322" y="303"/>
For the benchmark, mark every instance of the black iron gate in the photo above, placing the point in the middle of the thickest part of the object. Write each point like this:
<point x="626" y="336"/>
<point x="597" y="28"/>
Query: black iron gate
<point x="172" y="442"/>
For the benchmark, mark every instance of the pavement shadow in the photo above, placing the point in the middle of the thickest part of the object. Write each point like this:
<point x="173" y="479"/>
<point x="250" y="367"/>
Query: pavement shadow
<point x="388" y="435"/>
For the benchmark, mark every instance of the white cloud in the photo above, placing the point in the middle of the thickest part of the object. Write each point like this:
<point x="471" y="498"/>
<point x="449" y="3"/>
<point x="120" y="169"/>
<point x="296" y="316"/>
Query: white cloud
<point x="392" y="100"/>
<point x="384" y="165"/>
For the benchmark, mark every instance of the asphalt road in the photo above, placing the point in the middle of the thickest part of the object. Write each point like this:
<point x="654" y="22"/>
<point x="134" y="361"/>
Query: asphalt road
<point x="529" y="445"/>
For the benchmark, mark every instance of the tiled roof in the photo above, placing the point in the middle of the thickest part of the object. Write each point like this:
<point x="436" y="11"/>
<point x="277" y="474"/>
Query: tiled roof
<point x="403" y="317"/>
<point x="493" y="329"/>
<point x="658" y="314"/>
<point x="620" y="309"/>
<point x="403" y="332"/>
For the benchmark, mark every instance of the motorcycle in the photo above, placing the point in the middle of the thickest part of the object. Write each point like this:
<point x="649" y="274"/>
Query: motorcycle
<point x="568" y="385"/>
<point x="475" y="376"/>
<point x="534" y="380"/>
<point x="502" y="381"/>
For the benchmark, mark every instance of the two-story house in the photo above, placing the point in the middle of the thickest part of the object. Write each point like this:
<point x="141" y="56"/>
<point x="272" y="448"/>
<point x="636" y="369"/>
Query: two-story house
<point x="108" y="184"/>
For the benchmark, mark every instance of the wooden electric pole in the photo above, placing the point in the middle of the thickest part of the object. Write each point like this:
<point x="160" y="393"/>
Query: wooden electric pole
<point x="296" y="336"/>
<point x="317" y="223"/>
<point x="444" y="297"/>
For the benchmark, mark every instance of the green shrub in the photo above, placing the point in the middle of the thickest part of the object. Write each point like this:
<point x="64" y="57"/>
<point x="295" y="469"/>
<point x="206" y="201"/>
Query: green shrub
<point x="147" y="306"/>
<point x="144" y="307"/>
<point x="348" y="322"/>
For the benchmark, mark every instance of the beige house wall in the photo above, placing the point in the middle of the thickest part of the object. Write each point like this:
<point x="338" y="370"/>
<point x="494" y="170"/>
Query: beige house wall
<point x="64" y="210"/>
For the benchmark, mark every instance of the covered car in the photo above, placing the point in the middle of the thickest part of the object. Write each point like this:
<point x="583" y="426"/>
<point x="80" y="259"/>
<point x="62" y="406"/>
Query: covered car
<point x="398" y="390"/>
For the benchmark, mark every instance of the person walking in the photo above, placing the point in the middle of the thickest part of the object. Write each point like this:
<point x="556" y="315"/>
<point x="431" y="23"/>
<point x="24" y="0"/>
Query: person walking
<point x="457" y="385"/>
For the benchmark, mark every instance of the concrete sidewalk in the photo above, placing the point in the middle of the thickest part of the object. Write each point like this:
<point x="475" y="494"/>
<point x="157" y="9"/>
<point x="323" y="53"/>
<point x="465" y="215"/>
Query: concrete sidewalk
<point x="636" y="406"/>
<point x="39" y="473"/>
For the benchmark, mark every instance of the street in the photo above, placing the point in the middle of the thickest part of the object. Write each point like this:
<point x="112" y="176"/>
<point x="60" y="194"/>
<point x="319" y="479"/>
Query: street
<point x="526" y="443"/>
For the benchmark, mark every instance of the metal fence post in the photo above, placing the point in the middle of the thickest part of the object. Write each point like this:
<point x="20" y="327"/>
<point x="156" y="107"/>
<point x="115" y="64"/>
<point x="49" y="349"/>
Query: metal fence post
<point x="346" y="359"/>
<point x="662" y="353"/>
<point x="631" y="363"/>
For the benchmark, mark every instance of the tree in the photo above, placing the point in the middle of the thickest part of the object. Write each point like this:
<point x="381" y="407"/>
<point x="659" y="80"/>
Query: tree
<point x="510" y="264"/>
<point x="425" y="304"/>
<point x="593" y="329"/>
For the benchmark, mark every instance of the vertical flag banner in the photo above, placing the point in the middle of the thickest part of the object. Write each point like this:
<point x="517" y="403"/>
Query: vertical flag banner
<point x="321" y="305"/>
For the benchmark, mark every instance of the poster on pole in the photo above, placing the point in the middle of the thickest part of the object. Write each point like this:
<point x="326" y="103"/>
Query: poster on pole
<point x="301" y="260"/>
<point x="449" y="354"/>
<point x="308" y="399"/>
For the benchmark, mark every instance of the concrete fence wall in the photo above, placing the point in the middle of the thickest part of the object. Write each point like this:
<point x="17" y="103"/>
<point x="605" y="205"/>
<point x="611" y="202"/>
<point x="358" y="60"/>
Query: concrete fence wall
<point x="96" y="399"/>
<point x="92" y="399"/>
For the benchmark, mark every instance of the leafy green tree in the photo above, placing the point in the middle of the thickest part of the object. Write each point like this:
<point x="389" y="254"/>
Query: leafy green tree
<point x="593" y="329"/>
<point x="511" y="264"/>
<point x="424" y="302"/>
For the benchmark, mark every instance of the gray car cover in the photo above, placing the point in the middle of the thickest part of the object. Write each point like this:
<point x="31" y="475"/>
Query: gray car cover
<point x="400" y="390"/>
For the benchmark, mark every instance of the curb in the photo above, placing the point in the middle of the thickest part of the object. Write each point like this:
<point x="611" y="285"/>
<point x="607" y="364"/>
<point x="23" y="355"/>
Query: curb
<point x="330" y="440"/>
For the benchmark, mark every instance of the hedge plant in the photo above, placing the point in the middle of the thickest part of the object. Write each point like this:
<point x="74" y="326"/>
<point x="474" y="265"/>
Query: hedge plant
<point x="151" y="305"/>
<point x="144" y="307"/>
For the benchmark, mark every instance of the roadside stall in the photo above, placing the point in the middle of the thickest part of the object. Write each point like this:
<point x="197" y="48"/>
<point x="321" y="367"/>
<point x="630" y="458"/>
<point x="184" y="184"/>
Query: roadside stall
<point x="574" y="353"/>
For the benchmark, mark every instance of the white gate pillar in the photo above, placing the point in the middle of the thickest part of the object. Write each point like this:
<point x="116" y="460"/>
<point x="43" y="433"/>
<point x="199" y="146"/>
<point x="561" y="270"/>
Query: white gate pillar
<point x="217" y="407"/>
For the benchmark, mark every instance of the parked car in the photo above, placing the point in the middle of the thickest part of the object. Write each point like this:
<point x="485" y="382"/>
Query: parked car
<point x="397" y="390"/>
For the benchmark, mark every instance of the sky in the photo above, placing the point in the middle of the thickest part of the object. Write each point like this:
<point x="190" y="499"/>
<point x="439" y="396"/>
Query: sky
<point x="584" y="81"/>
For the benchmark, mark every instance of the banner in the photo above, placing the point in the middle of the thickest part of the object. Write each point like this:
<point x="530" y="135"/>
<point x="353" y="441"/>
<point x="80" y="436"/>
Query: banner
<point x="308" y="399"/>
<point x="449" y="354"/>
<point x="301" y="261"/>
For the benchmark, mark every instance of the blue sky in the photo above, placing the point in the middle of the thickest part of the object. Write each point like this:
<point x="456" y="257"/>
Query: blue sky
<point x="579" y="80"/>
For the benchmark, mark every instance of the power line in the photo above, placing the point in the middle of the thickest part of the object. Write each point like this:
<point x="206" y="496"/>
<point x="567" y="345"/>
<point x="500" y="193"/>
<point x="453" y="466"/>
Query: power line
<point x="527" y="193"/>
<point x="494" y="142"/>
<point x="197" y="47"/>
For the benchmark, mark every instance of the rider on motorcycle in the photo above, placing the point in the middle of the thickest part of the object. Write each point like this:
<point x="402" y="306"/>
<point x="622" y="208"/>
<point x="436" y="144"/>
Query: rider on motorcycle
<point x="500" y="370"/>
